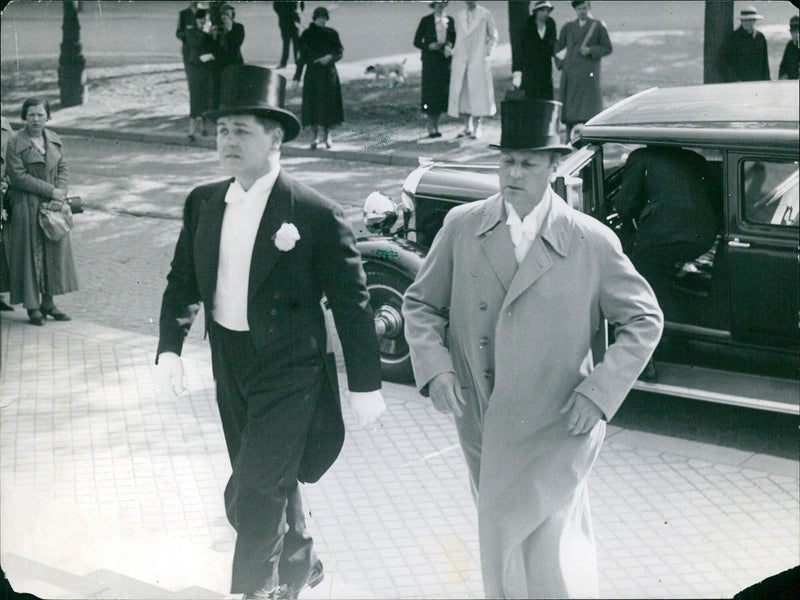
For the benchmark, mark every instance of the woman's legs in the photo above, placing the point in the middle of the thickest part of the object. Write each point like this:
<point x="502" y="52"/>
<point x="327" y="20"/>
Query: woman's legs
<point x="315" y="132"/>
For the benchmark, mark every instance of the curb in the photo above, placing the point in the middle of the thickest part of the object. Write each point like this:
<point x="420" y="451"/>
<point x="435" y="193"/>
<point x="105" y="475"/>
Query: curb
<point x="396" y="159"/>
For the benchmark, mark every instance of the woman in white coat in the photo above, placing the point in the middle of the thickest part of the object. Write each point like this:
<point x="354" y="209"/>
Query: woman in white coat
<point x="471" y="85"/>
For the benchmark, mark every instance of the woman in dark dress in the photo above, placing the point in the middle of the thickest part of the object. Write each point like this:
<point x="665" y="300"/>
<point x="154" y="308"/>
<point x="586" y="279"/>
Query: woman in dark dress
<point x="436" y="36"/>
<point x="199" y="71"/>
<point x="228" y="51"/>
<point x="535" y="61"/>
<point x="320" y="48"/>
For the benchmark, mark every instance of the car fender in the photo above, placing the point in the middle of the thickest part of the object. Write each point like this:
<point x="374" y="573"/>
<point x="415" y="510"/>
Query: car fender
<point x="392" y="253"/>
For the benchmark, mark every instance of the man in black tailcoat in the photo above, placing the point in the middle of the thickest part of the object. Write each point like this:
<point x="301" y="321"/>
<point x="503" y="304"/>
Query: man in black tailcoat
<point x="259" y="250"/>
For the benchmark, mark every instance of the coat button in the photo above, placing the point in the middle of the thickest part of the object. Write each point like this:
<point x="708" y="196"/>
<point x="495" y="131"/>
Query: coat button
<point x="483" y="306"/>
<point x="488" y="374"/>
<point x="484" y="341"/>
<point x="271" y="329"/>
<point x="276" y="295"/>
<point x="273" y="311"/>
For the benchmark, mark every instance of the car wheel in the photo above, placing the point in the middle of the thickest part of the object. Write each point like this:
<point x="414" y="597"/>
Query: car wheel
<point x="386" y="288"/>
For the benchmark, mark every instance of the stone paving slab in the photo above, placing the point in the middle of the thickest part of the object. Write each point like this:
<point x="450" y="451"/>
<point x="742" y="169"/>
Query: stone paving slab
<point x="133" y="485"/>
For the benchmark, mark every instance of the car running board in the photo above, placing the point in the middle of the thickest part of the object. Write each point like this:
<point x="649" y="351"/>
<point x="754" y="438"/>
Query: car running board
<point x="724" y="387"/>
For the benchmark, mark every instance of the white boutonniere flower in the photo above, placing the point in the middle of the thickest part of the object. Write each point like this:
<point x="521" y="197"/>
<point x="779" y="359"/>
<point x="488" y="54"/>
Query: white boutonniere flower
<point x="286" y="237"/>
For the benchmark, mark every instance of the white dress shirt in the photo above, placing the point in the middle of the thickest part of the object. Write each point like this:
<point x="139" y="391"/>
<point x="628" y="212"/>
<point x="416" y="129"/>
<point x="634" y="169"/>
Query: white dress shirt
<point x="240" y="223"/>
<point x="524" y="231"/>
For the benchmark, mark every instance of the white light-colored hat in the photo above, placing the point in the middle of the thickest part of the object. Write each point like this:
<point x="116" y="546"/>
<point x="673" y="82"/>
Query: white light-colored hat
<point x="749" y="13"/>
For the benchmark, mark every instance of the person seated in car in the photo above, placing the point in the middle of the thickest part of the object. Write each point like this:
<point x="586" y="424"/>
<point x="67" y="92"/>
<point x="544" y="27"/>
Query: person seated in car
<point x="665" y="192"/>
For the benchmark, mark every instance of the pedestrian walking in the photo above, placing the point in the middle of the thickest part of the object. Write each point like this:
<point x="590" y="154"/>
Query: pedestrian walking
<point x="198" y="57"/>
<point x="744" y="53"/>
<point x="500" y="321"/>
<point x="471" y="84"/>
<point x="5" y="134"/>
<point x="39" y="267"/>
<point x="289" y="24"/>
<point x="320" y="49"/>
<point x="229" y="38"/>
<point x="790" y="63"/>
<point x="435" y="37"/>
<point x="581" y="45"/>
<point x="533" y="69"/>
<point x="259" y="250"/>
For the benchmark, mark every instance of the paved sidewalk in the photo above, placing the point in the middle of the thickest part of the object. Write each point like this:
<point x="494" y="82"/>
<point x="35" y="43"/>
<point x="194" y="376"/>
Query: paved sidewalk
<point x="112" y="492"/>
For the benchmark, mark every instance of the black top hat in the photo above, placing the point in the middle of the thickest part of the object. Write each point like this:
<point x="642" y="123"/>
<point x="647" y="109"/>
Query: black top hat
<point x="252" y="90"/>
<point x="531" y="125"/>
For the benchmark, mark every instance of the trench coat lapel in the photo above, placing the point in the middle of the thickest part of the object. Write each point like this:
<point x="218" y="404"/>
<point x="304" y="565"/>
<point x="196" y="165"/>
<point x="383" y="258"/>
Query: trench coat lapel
<point x="496" y="244"/>
<point x="553" y="237"/>
<point x="209" y="229"/>
<point x="280" y="210"/>
<point x="53" y="151"/>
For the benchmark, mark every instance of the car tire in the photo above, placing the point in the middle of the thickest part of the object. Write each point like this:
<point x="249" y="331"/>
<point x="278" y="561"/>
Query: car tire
<point x="386" y="288"/>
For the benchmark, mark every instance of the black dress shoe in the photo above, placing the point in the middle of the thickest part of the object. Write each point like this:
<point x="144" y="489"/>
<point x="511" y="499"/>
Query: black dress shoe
<point x="35" y="316"/>
<point x="4" y="306"/>
<point x="55" y="314"/>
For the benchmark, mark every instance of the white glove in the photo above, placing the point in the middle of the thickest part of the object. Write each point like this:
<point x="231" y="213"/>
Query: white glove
<point x="367" y="406"/>
<point x="516" y="79"/>
<point x="169" y="374"/>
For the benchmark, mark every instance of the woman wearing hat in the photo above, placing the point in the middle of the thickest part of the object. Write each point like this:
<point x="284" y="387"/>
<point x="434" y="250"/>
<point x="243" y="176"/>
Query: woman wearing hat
<point x="228" y="48"/>
<point x="320" y="48"/>
<point x="199" y="70"/>
<point x="533" y="71"/>
<point x="435" y="36"/>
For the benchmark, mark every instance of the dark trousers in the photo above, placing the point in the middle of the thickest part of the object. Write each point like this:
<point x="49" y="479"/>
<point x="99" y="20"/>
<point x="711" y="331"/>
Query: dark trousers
<point x="290" y="37"/>
<point x="657" y="264"/>
<point x="265" y="405"/>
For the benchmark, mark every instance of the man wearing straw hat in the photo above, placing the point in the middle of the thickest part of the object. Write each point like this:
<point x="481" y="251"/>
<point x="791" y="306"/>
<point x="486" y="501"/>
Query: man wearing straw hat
<point x="259" y="250"/>
<point x="744" y="53"/>
<point x="500" y="322"/>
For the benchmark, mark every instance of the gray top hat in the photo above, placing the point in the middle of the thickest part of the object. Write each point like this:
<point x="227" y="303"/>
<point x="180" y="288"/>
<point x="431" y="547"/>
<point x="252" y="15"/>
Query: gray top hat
<point x="252" y="90"/>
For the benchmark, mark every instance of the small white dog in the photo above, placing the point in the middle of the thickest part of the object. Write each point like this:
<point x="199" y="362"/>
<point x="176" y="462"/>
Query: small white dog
<point x="391" y="72"/>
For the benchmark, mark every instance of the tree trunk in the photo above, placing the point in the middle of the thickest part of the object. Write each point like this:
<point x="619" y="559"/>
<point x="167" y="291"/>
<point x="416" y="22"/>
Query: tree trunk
<point x="71" y="63"/>
<point x="718" y="25"/>
<point x="518" y="11"/>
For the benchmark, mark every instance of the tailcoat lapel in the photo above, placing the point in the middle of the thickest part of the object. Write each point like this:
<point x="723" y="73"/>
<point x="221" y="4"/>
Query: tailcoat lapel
<point x="280" y="210"/>
<point x="207" y="237"/>
<point x="496" y="244"/>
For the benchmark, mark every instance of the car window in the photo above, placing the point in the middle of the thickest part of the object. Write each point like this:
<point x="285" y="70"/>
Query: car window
<point x="770" y="193"/>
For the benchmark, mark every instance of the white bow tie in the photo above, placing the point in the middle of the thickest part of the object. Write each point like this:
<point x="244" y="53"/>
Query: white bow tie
<point x="519" y="229"/>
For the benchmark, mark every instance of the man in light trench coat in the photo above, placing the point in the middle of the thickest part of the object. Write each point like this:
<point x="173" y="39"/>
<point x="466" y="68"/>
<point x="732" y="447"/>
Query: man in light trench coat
<point x="500" y="321"/>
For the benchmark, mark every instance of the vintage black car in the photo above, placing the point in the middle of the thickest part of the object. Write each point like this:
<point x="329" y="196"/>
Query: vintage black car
<point x="740" y="341"/>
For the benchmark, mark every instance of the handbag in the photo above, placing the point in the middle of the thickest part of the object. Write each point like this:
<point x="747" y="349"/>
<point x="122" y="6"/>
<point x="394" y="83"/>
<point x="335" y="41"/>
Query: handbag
<point x="75" y="204"/>
<point x="55" y="219"/>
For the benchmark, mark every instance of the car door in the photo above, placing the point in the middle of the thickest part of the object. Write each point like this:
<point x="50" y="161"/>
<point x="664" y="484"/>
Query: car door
<point x="762" y="244"/>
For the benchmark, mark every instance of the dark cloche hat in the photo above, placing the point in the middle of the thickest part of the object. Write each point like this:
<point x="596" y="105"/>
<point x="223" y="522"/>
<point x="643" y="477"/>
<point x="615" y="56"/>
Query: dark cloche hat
<point x="530" y="125"/>
<point x="252" y="90"/>
<point x="794" y="23"/>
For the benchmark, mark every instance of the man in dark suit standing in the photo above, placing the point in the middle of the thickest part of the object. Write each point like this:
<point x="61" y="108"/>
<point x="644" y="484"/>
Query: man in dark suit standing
<point x="289" y="23"/>
<point x="666" y="191"/>
<point x="744" y="54"/>
<point x="259" y="250"/>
